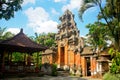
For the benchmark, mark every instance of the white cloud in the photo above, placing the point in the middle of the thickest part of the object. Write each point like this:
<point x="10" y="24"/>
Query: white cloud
<point x="59" y="0"/>
<point x="39" y="20"/>
<point x="48" y="26"/>
<point x="54" y="11"/>
<point x="13" y="30"/>
<point x="74" y="4"/>
<point x="25" y="2"/>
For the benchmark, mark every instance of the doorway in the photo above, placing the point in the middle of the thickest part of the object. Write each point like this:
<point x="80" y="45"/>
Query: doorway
<point x="62" y="56"/>
<point x="88" y="67"/>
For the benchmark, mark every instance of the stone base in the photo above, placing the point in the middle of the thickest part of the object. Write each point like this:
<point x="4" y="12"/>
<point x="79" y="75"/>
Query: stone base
<point x="78" y="73"/>
<point x="66" y="67"/>
<point x="58" y="66"/>
<point x="72" y="71"/>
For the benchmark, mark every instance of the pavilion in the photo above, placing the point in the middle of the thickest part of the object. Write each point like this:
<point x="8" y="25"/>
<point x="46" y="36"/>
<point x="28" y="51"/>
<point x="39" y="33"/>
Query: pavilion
<point x="19" y="43"/>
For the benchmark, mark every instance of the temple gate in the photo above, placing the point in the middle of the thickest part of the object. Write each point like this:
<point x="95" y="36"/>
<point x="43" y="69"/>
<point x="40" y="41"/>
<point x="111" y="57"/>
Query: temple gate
<point x="69" y="43"/>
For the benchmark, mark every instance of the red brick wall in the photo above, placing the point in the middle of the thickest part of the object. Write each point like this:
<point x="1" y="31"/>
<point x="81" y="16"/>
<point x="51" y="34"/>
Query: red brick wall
<point x="77" y="59"/>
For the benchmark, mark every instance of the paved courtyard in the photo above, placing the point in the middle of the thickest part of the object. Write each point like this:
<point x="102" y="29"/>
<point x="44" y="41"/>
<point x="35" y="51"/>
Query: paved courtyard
<point x="50" y="78"/>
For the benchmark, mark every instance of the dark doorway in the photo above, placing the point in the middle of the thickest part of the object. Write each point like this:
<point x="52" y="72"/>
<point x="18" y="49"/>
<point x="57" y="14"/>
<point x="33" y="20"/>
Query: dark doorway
<point x="62" y="55"/>
<point x="88" y="66"/>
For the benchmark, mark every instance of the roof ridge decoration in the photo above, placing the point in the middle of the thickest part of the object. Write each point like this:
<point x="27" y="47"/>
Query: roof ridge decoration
<point x="21" y="30"/>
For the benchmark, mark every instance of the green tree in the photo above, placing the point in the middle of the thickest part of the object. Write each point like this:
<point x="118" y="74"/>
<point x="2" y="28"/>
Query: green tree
<point x="46" y="39"/>
<point x="9" y="7"/>
<point x="1" y="32"/>
<point x="17" y="56"/>
<point x="43" y="39"/>
<point x="97" y="37"/>
<point x="110" y="13"/>
<point x="5" y="35"/>
<point x="115" y="67"/>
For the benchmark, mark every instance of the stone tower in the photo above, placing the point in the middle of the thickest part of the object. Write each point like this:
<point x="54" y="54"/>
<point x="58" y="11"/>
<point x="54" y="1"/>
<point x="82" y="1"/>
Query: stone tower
<point x="69" y="43"/>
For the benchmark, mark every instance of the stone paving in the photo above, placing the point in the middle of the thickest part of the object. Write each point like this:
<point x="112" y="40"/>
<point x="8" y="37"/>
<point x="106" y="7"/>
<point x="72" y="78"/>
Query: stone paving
<point x="51" y="78"/>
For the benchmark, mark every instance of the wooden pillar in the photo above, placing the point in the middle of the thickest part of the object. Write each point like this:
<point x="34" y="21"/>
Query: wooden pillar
<point x="25" y="59"/>
<point x="37" y="68"/>
<point x="3" y="62"/>
<point x="10" y="58"/>
<point x="37" y="59"/>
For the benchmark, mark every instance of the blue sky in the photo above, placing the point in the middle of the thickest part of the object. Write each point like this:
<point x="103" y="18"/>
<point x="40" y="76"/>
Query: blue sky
<point x="43" y="16"/>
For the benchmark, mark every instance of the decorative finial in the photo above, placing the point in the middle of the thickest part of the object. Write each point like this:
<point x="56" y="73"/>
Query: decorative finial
<point x="21" y="30"/>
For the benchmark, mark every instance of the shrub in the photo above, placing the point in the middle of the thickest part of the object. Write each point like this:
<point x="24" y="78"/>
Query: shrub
<point x="110" y="76"/>
<point x="54" y="70"/>
<point x="2" y="75"/>
<point x="115" y="67"/>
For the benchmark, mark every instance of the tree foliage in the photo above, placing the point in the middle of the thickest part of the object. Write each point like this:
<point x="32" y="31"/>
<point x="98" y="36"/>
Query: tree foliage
<point x="110" y="13"/>
<point x="5" y="35"/>
<point x="115" y="67"/>
<point x="97" y="37"/>
<point x="46" y="39"/>
<point x="17" y="56"/>
<point x="9" y="7"/>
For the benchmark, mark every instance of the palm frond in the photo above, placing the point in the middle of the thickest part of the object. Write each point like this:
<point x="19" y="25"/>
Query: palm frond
<point x="86" y="5"/>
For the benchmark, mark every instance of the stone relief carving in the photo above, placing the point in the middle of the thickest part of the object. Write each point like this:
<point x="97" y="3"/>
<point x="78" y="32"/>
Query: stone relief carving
<point x="68" y="30"/>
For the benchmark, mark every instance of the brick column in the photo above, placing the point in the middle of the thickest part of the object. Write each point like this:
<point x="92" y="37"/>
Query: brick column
<point x="58" y="61"/>
<point x="83" y="63"/>
<point x="93" y="66"/>
<point x="66" y="54"/>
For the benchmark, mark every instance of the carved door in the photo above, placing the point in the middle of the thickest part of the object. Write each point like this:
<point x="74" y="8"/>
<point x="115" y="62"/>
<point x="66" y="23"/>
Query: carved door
<point x="62" y="56"/>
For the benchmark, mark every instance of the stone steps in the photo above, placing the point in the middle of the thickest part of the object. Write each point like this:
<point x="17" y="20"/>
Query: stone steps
<point x="63" y="73"/>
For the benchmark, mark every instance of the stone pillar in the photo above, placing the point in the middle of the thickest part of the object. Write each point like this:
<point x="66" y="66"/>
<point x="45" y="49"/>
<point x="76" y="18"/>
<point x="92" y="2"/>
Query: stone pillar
<point x="100" y="64"/>
<point x="37" y="68"/>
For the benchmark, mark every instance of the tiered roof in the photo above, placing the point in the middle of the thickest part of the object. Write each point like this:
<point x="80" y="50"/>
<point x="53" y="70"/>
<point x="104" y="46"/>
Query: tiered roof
<point x="21" y="43"/>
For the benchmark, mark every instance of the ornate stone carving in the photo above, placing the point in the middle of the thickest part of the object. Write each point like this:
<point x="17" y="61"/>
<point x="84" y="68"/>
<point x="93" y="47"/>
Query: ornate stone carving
<point x="69" y="31"/>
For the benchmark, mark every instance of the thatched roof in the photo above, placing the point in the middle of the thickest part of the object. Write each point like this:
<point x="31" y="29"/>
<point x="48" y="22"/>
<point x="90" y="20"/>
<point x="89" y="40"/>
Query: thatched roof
<point x="87" y="51"/>
<point x="103" y="59"/>
<point x="48" y="51"/>
<point x="21" y="43"/>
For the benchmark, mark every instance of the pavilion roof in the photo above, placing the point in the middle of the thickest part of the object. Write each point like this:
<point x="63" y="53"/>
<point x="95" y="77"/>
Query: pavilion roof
<point x="21" y="43"/>
<point x="87" y="51"/>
